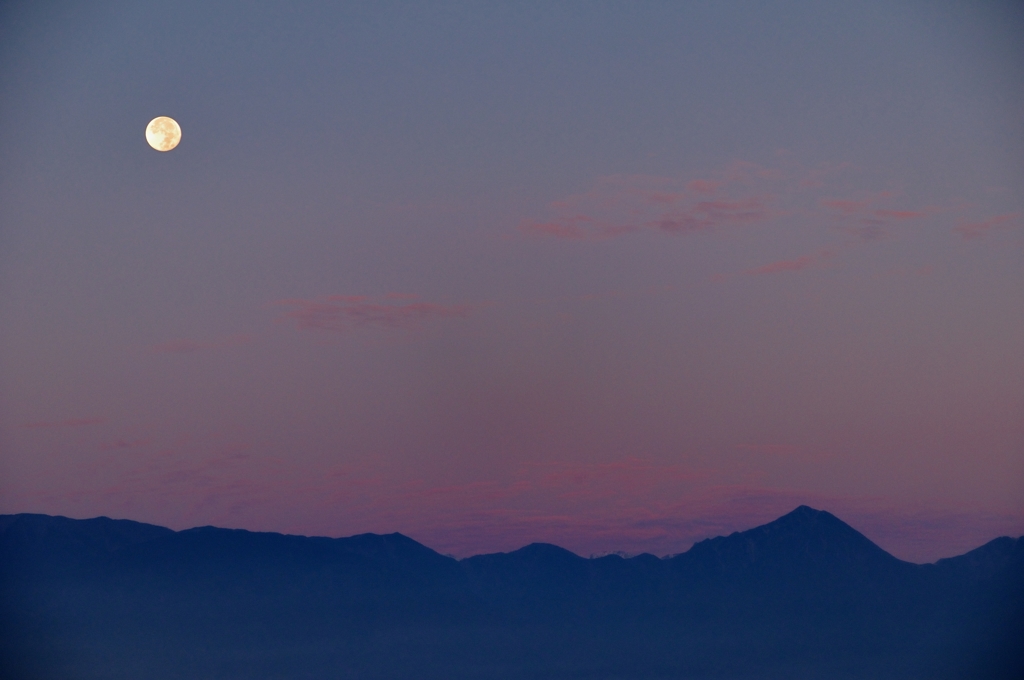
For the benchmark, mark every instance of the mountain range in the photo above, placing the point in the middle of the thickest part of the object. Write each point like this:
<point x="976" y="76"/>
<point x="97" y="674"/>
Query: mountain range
<point x="805" y="596"/>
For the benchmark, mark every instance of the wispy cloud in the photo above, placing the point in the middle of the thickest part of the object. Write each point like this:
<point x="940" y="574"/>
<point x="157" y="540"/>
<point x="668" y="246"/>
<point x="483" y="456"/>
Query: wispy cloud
<point x="845" y="207"/>
<point x="784" y="266"/>
<point x="978" y="230"/>
<point x="794" y="265"/>
<point x="70" y="422"/>
<point x="741" y="194"/>
<point x="868" y="216"/>
<point x="866" y="233"/>
<point x="710" y="214"/>
<point x="770" y="449"/>
<point x="340" y="313"/>
<point x="124" y="444"/>
<point x="188" y="346"/>
<point x="900" y="214"/>
<point x="622" y="204"/>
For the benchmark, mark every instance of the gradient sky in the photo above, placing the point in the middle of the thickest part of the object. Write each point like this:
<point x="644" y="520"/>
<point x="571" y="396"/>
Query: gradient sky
<point x="613" y="275"/>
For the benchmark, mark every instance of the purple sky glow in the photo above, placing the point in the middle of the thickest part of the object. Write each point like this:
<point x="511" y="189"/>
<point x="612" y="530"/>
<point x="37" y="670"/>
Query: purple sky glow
<point x="617" y="276"/>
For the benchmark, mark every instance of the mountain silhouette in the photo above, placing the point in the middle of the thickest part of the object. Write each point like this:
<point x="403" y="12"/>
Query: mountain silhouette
<point x="804" y="596"/>
<point x="803" y="540"/>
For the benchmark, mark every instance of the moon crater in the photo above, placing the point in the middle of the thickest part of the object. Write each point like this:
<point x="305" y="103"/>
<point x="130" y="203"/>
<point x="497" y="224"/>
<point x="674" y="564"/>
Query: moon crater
<point x="163" y="133"/>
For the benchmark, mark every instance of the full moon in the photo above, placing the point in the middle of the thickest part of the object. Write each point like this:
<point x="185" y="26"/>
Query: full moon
<point x="163" y="133"/>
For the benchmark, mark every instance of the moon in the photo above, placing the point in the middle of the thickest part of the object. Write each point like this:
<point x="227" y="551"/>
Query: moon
<point x="163" y="133"/>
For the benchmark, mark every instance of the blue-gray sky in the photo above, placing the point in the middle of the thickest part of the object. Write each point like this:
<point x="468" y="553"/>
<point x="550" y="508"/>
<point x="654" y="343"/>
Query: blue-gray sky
<point x="617" y="276"/>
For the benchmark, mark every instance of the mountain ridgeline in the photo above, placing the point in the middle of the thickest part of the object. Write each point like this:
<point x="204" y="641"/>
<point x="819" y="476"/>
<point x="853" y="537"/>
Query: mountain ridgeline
<point x="805" y="596"/>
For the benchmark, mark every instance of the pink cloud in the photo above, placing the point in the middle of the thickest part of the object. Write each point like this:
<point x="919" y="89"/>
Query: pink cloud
<point x="740" y="194"/>
<point x="622" y="204"/>
<point x="866" y="232"/>
<point x="868" y="212"/>
<point x="770" y="449"/>
<point x="187" y="346"/>
<point x="846" y="207"/>
<point x="703" y="186"/>
<point x="340" y="313"/>
<point x="124" y="444"/>
<point x="900" y="214"/>
<point x="784" y="266"/>
<point x="977" y="230"/>
<point x="570" y="228"/>
<point x="70" y="422"/>
<point x="711" y="214"/>
<point x="802" y="262"/>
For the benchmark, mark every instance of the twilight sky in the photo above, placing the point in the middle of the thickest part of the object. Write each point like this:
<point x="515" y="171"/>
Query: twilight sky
<point x="613" y="275"/>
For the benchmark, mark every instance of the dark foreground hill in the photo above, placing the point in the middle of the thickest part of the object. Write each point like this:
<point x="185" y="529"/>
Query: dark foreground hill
<point x="805" y="596"/>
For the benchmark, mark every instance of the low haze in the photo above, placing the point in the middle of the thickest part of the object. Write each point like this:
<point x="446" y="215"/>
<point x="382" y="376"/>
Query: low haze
<point x="616" y="276"/>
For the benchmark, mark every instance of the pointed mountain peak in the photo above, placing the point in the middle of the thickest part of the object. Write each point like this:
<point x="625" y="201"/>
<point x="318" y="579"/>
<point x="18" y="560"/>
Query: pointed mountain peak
<point x="545" y="550"/>
<point x="806" y="511"/>
<point x="805" y="536"/>
<point x="805" y="515"/>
